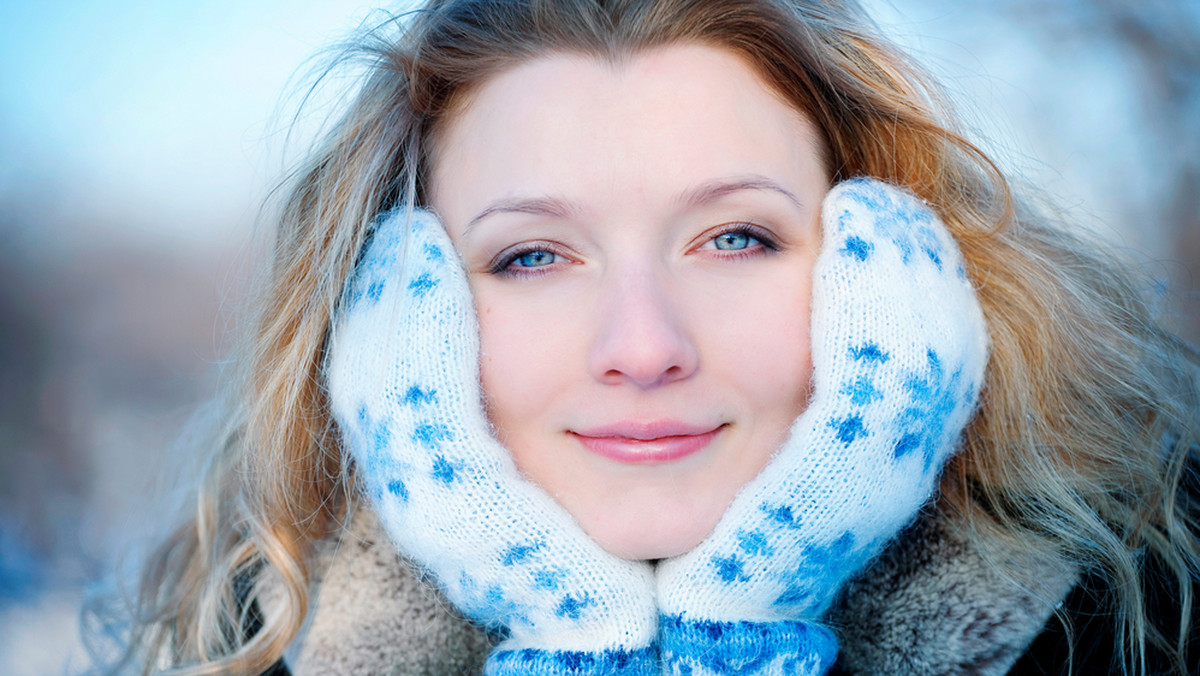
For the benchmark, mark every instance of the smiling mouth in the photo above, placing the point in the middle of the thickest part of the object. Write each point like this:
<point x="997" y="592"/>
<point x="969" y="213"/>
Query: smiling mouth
<point x="643" y="445"/>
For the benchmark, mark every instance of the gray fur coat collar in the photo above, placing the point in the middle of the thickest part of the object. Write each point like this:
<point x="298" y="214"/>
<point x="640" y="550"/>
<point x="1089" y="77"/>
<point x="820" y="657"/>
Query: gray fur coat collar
<point x="931" y="604"/>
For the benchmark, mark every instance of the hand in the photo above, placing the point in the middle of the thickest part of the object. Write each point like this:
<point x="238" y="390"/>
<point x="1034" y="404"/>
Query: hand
<point x="899" y="348"/>
<point x="404" y="388"/>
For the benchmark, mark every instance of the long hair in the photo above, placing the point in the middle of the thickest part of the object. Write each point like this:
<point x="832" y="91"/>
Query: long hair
<point x="1087" y="417"/>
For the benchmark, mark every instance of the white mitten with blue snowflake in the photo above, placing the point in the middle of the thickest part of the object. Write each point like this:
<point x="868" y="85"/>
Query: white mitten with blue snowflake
<point x="404" y="388"/>
<point x="899" y="348"/>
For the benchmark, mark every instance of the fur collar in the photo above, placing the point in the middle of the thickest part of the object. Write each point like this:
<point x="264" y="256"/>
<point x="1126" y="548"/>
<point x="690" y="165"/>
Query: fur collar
<point x="931" y="604"/>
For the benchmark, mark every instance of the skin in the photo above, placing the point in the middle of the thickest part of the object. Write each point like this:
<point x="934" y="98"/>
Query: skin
<point x="640" y="238"/>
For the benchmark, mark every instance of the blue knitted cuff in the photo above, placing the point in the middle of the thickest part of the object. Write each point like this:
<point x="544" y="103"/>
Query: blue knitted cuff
<point x="705" y="648"/>
<point x="643" y="662"/>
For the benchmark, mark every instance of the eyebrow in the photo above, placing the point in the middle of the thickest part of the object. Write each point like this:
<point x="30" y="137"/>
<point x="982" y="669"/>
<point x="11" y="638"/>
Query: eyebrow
<point x="701" y="195"/>
<point x="538" y="206"/>
<point x="712" y="191"/>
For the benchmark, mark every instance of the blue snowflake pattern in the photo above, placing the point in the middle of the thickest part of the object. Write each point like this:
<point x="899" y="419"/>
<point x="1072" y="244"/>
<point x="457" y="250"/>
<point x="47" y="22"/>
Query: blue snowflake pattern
<point x="869" y="352"/>
<point x="781" y="515"/>
<point x="397" y="488"/>
<point x="548" y="578"/>
<point x="934" y="397"/>
<point x="729" y="569"/>
<point x="520" y="553"/>
<point x="607" y="662"/>
<point x="444" y="470"/>
<point x="573" y="606"/>
<point x="488" y="604"/>
<point x="431" y="435"/>
<point x="754" y="543"/>
<point x="422" y="285"/>
<point x="744" y="648"/>
<point x="927" y="241"/>
<point x="905" y="222"/>
<point x="849" y="428"/>
<point x="822" y="567"/>
<point x="868" y="194"/>
<point x="377" y="436"/>
<point x="494" y="596"/>
<point x="415" y="396"/>
<point x="372" y="270"/>
<point x="375" y="290"/>
<point x="862" y="391"/>
<point x="368" y="285"/>
<point x="856" y="247"/>
<point x="380" y="433"/>
<point x="378" y="264"/>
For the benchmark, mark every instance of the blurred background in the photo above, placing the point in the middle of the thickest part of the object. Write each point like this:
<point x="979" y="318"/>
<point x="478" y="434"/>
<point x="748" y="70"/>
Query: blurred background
<point x="138" y="141"/>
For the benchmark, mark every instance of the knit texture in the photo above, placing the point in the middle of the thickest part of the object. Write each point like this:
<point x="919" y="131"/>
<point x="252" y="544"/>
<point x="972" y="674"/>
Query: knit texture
<point x="931" y="605"/>
<point x="404" y="388"/>
<point x="899" y="348"/>
<point x="707" y="647"/>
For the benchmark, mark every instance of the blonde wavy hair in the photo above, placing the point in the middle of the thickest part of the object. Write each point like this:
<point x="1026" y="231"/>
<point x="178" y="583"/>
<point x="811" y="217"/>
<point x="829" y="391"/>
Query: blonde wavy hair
<point x="1088" y="420"/>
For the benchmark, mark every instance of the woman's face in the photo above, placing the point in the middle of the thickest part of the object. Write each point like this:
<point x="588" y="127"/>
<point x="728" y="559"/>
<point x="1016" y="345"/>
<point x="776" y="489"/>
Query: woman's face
<point x="640" y="239"/>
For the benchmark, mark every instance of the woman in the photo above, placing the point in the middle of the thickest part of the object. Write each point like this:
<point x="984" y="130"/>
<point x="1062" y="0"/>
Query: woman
<point x="645" y="182"/>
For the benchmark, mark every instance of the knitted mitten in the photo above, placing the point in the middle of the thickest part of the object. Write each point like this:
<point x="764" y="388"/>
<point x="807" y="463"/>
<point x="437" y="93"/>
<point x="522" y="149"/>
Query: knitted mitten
<point x="898" y="349"/>
<point x="404" y="388"/>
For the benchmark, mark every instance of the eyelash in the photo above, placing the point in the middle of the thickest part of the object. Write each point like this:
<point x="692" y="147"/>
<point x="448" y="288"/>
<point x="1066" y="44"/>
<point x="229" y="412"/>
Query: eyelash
<point x="764" y="239"/>
<point x="502" y="265"/>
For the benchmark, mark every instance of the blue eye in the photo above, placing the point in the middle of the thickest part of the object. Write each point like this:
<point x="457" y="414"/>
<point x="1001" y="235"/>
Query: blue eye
<point x="529" y="259"/>
<point x="733" y="241"/>
<point x="534" y="259"/>
<point x="740" y="240"/>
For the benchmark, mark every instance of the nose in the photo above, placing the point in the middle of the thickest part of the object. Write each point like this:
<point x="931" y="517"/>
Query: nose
<point x="642" y="338"/>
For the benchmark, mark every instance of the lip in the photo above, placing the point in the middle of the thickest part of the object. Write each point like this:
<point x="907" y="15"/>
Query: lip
<point x="639" y="443"/>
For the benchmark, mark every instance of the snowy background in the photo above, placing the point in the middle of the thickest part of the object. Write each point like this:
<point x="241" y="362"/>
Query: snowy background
<point x="137" y="141"/>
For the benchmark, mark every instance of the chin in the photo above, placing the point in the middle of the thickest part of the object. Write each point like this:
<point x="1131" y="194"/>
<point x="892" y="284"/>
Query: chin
<point x="651" y="536"/>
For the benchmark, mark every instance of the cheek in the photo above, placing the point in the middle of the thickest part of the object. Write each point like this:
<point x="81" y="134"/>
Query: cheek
<point x="780" y="372"/>
<point x="522" y="355"/>
<point x="762" y="342"/>
<point x="499" y="351"/>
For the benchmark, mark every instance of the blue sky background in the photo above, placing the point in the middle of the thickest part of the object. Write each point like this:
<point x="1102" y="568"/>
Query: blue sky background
<point x="140" y="110"/>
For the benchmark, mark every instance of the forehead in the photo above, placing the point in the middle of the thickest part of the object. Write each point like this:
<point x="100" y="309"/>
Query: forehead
<point x="566" y="123"/>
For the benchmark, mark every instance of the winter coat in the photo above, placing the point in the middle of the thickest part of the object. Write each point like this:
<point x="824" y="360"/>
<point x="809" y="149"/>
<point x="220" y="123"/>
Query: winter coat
<point x="931" y="604"/>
